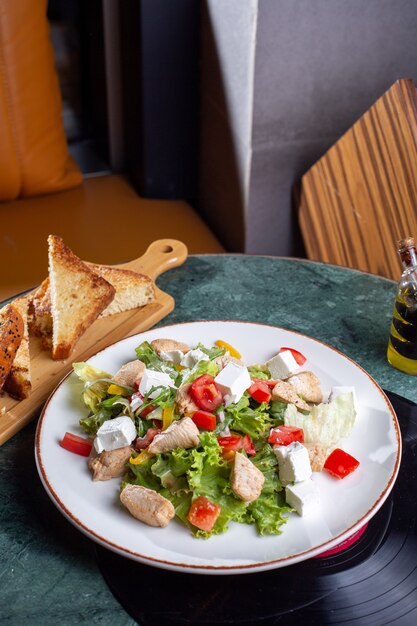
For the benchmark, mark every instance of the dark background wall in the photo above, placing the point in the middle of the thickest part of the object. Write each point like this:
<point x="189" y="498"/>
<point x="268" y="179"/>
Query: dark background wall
<point x="318" y="65"/>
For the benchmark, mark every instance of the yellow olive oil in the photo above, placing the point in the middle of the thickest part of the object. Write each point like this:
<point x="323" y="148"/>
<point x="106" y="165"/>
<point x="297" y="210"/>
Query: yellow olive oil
<point x="402" y="344"/>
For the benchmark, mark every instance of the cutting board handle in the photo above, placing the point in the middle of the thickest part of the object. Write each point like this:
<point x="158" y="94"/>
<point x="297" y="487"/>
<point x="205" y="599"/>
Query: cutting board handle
<point x="162" y="255"/>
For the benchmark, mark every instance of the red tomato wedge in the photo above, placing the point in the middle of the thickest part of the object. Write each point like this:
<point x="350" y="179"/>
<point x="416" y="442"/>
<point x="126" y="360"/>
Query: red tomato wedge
<point x="203" y="419"/>
<point x="76" y="444"/>
<point x="299" y="358"/>
<point x="203" y="513"/>
<point x="340" y="464"/>
<point x="235" y="443"/>
<point x="259" y="391"/>
<point x="284" y="435"/>
<point x="270" y="382"/>
<point x="205" y="393"/>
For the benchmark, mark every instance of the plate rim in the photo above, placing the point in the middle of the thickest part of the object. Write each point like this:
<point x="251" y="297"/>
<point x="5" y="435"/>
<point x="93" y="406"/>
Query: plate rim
<point x="207" y="568"/>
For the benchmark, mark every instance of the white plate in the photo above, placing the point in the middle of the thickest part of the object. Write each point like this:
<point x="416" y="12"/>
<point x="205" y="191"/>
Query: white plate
<point x="346" y="505"/>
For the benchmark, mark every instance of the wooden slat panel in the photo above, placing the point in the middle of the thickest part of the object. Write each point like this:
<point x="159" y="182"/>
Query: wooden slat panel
<point x="361" y="196"/>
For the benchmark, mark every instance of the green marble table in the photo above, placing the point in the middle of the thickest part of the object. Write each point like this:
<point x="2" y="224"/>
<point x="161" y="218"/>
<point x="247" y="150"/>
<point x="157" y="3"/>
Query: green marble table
<point x="48" y="569"/>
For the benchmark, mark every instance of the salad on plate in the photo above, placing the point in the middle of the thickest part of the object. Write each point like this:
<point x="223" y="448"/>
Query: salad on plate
<point x="194" y="433"/>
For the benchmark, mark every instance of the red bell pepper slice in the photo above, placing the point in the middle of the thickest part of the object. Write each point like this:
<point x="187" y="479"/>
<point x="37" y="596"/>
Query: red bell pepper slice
<point x="259" y="391"/>
<point x="75" y="443"/>
<point x="284" y="435"/>
<point x="299" y="358"/>
<point x="203" y="513"/>
<point x="203" y="419"/>
<point x="340" y="464"/>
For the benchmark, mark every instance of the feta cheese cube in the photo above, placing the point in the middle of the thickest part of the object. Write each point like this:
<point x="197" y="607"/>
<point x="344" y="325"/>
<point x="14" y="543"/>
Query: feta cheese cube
<point x="193" y="357"/>
<point x="173" y="356"/>
<point x="115" y="433"/>
<point x="151" y="378"/>
<point x="293" y="462"/>
<point x="233" y="380"/>
<point x="282" y="365"/>
<point x="304" y="497"/>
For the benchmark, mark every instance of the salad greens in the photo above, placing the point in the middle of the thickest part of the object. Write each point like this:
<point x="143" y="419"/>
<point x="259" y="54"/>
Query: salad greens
<point x="182" y="475"/>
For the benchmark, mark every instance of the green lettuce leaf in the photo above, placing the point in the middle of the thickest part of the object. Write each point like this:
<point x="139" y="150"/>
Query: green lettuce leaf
<point x="149" y="357"/>
<point x="256" y="422"/>
<point x="92" y="394"/>
<point x="268" y="511"/>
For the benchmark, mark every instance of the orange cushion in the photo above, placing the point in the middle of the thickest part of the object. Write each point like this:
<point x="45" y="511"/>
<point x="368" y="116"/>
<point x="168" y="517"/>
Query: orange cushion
<point x="34" y="157"/>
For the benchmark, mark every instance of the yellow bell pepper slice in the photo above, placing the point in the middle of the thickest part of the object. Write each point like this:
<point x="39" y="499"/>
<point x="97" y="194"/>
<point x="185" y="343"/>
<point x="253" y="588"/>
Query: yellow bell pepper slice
<point x="167" y="416"/>
<point x="232" y="351"/>
<point x="115" y="390"/>
<point x="142" y="457"/>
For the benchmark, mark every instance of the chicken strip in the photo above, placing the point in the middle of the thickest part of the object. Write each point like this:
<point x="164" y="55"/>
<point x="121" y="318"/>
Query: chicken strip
<point x="222" y="361"/>
<point x="284" y="392"/>
<point x="166" y="345"/>
<point x="246" y="479"/>
<point x="130" y="373"/>
<point x="110" y="463"/>
<point x="318" y="454"/>
<point x="181" y="433"/>
<point x="147" y="505"/>
<point x="307" y="386"/>
<point x="185" y="403"/>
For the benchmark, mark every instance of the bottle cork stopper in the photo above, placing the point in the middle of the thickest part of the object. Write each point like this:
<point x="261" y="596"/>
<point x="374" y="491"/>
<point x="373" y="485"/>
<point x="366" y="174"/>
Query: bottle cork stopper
<point x="404" y="244"/>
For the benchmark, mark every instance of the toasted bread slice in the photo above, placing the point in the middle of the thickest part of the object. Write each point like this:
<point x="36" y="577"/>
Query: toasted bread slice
<point x="78" y="296"/>
<point x="19" y="383"/>
<point x="11" y="333"/>
<point x="132" y="289"/>
<point x="39" y="314"/>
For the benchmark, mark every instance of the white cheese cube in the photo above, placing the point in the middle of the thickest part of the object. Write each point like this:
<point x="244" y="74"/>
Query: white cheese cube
<point x="115" y="433"/>
<point x="293" y="462"/>
<point x="282" y="365"/>
<point x="304" y="497"/>
<point x="151" y="378"/>
<point x="193" y="357"/>
<point x="233" y="380"/>
<point x="173" y="356"/>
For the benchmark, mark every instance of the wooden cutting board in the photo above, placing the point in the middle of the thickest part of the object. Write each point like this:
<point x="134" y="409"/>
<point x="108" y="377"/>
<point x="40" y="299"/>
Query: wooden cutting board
<point x="161" y="256"/>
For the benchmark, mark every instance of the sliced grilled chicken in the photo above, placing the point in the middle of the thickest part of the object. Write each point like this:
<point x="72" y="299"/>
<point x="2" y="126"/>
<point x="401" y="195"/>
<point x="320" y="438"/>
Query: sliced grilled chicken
<point x="166" y="345"/>
<point x="246" y="479"/>
<point x="307" y="386"/>
<point x="318" y="453"/>
<point x="130" y="373"/>
<point x="185" y="403"/>
<point x="147" y="505"/>
<point x="110" y="464"/>
<point x="181" y="433"/>
<point x="284" y="392"/>
<point x="222" y="361"/>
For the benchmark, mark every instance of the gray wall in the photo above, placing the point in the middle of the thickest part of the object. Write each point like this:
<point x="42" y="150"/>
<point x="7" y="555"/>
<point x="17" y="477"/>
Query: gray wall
<point x="303" y="71"/>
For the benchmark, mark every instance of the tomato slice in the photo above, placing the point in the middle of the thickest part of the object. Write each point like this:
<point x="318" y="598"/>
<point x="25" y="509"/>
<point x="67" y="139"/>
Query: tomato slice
<point x="203" y="513"/>
<point x="259" y="391"/>
<point x="235" y="443"/>
<point x="299" y="358"/>
<point x="270" y="382"/>
<point x="284" y="435"/>
<point x="203" y="419"/>
<point x="143" y="442"/>
<point x="147" y="410"/>
<point x="76" y="444"/>
<point x="340" y="464"/>
<point x="205" y="393"/>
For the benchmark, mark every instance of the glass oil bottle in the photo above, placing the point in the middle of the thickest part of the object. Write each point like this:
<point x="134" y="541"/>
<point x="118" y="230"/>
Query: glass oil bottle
<point x="402" y="345"/>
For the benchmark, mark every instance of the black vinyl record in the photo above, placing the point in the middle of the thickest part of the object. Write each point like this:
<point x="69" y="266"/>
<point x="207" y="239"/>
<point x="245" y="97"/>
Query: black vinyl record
<point x="373" y="582"/>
